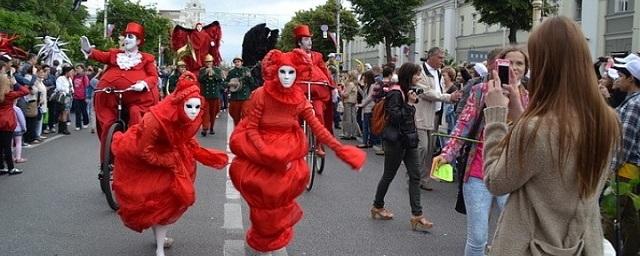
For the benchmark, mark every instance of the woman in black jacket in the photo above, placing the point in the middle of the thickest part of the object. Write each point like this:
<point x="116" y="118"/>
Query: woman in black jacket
<point x="400" y="145"/>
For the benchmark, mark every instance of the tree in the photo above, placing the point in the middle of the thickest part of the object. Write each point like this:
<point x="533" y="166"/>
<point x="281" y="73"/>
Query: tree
<point x="321" y="15"/>
<point x="122" y="12"/>
<point x="513" y="14"/>
<point x="387" y="21"/>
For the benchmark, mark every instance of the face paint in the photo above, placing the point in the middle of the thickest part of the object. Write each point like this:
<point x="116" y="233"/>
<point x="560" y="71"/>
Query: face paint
<point x="306" y="43"/>
<point x="192" y="107"/>
<point x="130" y="42"/>
<point x="287" y="76"/>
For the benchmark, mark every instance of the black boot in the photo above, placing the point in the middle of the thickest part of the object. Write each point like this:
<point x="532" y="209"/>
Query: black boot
<point x="62" y="128"/>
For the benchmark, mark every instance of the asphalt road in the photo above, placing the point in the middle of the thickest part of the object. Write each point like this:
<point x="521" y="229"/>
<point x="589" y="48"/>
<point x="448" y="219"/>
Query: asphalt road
<point x="56" y="208"/>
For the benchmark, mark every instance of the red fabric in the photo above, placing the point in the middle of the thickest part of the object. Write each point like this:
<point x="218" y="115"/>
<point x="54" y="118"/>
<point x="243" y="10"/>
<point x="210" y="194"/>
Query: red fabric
<point x="137" y="102"/>
<point x="236" y="108"/>
<point x="155" y="163"/>
<point x="311" y="67"/>
<point x="267" y="140"/>
<point x="7" y="115"/>
<point x="200" y="44"/>
<point x="6" y="46"/>
<point x="80" y="84"/>
<point x="211" y="108"/>
<point x="136" y="29"/>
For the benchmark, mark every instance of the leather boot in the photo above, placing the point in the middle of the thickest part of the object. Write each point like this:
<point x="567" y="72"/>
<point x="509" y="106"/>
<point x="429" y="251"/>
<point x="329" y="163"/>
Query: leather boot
<point x="62" y="128"/>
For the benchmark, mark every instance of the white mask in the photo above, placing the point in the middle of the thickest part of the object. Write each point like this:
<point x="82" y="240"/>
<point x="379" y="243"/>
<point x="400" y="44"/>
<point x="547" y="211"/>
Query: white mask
<point x="287" y="76"/>
<point x="192" y="107"/>
<point x="130" y="42"/>
<point x="306" y="43"/>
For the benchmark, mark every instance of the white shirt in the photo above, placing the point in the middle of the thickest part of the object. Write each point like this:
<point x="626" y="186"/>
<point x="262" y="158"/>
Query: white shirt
<point x="437" y="81"/>
<point x="64" y="85"/>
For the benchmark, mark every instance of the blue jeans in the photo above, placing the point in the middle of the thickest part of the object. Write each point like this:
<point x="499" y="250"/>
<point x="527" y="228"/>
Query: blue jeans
<point x="478" y="199"/>
<point x="367" y="137"/>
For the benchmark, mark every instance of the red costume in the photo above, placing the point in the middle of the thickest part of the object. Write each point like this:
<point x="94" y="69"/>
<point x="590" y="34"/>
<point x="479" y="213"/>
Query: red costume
<point x="269" y="169"/>
<point x="123" y="70"/>
<point x="6" y="47"/>
<point x="201" y="42"/>
<point x="311" y="67"/>
<point x="155" y="165"/>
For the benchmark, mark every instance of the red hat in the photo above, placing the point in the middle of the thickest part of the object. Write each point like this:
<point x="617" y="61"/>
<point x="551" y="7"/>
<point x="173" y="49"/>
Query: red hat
<point x="302" y="31"/>
<point x="136" y="29"/>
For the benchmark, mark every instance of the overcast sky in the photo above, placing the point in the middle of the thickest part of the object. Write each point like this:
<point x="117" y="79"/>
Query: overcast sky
<point x="235" y="24"/>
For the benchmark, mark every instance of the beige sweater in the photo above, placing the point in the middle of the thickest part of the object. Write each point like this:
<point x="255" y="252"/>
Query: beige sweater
<point x="540" y="198"/>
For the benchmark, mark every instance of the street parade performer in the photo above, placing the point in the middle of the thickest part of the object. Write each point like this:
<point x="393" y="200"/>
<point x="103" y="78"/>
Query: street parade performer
<point x="194" y="44"/>
<point x="128" y="68"/>
<point x="240" y="83"/>
<point x="311" y="68"/>
<point x="269" y="169"/>
<point x="155" y="162"/>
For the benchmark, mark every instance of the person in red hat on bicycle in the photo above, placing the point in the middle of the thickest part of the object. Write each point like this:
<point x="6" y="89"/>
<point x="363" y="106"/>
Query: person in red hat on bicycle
<point x="312" y="68"/>
<point x="126" y="68"/>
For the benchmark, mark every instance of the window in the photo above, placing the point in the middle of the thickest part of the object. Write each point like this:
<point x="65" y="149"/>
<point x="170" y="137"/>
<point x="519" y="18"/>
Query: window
<point x="462" y="25"/>
<point x="622" y="6"/>
<point x="473" y="23"/>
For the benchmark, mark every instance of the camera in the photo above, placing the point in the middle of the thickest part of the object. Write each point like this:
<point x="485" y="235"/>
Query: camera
<point x="417" y="90"/>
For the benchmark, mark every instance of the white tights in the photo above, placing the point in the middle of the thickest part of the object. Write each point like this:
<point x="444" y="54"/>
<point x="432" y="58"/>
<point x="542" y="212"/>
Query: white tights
<point x="18" y="147"/>
<point x="160" y="232"/>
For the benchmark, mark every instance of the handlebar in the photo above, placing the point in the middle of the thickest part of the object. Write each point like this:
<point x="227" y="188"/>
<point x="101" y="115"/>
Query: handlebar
<point x="110" y="90"/>
<point x="312" y="82"/>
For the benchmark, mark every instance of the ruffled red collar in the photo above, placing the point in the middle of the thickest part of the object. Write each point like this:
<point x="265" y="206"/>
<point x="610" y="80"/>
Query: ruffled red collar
<point x="290" y="96"/>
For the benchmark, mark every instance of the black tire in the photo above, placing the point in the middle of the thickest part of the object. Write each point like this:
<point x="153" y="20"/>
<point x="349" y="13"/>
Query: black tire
<point x="107" y="166"/>
<point x="311" y="159"/>
<point x="319" y="164"/>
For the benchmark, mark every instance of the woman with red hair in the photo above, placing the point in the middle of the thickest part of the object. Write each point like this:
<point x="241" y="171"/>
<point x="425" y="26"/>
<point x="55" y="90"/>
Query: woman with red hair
<point x="269" y="169"/>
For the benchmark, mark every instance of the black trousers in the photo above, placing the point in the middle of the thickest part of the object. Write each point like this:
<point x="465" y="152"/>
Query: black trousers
<point x="30" y="134"/>
<point x="5" y="150"/>
<point x="80" y="110"/>
<point x="53" y="114"/>
<point x="394" y="154"/>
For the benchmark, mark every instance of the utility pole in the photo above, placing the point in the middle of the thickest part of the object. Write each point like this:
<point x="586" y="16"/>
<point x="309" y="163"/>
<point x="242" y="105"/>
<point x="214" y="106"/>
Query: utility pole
<point x="338" y="40"/>
<point x="537" y="11"/>
<point x="105" y="17"/>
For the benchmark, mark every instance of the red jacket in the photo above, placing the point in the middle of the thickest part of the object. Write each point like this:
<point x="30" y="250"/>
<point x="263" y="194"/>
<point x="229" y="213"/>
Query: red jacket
<point x="7" y="115"/>
<point x="120" y="78"/>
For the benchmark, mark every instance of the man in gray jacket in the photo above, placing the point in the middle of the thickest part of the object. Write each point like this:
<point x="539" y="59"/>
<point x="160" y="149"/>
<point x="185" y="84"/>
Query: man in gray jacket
<point x="430" y="102"/>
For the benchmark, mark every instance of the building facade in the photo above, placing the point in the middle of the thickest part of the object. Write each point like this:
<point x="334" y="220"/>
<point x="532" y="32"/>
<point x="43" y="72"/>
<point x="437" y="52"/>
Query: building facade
<point x="192" y="13"/>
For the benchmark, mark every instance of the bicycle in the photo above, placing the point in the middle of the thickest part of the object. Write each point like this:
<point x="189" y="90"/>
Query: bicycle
<point x="105" y="176"/>
<point x="314" y="161"/>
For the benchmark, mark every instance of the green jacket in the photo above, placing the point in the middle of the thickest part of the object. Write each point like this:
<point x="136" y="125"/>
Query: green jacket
<point x="248" y="84"/>
<point x="210" y="85"/>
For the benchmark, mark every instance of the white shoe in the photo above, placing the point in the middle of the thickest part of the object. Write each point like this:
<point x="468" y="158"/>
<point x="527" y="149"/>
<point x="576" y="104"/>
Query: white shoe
<point x="85" y="126"/>
<point x="4" y="171"/>
<point x="15" y="171"/>
<point x="77" y="128"/>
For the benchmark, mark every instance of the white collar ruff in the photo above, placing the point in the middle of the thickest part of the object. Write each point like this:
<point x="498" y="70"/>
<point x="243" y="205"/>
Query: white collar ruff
<point x="128" y="60"/>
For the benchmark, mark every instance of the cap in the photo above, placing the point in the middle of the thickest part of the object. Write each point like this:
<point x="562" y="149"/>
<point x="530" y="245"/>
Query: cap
<point x="208" y="58"/>
<point x="237" y="58"/>
<point x="481" y="69"/>
<point x="629" y="58"/>
<point x="136" y="29"/>
<point x="302" y="31"/>
<point x="612" y="73"/>
<point x="632" y="66"/>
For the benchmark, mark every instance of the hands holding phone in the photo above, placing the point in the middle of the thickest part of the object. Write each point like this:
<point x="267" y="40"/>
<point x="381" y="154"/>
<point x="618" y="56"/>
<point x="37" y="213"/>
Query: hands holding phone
<point x="500" y="94"/>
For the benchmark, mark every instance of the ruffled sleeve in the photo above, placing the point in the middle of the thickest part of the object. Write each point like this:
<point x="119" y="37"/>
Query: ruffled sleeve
<point x="208" y="156"/>
<point x="150" y="153"/>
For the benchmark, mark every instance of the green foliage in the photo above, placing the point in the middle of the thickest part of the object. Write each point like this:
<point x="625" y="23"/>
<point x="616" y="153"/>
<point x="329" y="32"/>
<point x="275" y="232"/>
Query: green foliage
<point x="121" y="12"/>
<point x="387" y="21"/>
<point x="323" y="14"/>
<point x="608" y="204"/>
<point x="513" y="14"/>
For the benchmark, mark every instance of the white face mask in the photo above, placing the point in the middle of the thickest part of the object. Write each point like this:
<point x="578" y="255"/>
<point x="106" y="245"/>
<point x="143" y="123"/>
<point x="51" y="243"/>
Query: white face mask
<point x="287" y="76"/>
<point x="192" y="107"/>
<point x="306" y="43"/>
<point x="130" y="42"/>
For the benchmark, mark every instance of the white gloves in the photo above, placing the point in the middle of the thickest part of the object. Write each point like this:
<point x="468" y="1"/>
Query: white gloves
<point x="85" y="46"/>
<point x="139" y="86"/>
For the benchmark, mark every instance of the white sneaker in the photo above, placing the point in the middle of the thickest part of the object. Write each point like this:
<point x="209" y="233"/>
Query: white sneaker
<point x="77" y="128"/>
<point x="15" y="171"/>
<point x="4" y="171"/>
<point x="85" y="126"/>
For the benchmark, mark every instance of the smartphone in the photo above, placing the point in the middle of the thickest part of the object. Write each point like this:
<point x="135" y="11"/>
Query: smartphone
<point x="503" y="70"/>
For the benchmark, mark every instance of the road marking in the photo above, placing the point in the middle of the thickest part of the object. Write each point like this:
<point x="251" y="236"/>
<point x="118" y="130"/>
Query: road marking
<point x="234" y="248"/>
<point x="44" y="141"/>
<point x="232" y="209"/>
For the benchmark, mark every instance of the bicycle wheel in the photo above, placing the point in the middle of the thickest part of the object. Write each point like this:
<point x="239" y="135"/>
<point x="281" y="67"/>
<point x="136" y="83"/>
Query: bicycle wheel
<point x="319" y="164"/>
<point x="311" y="159"/>
<point x="107" y="166"/>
